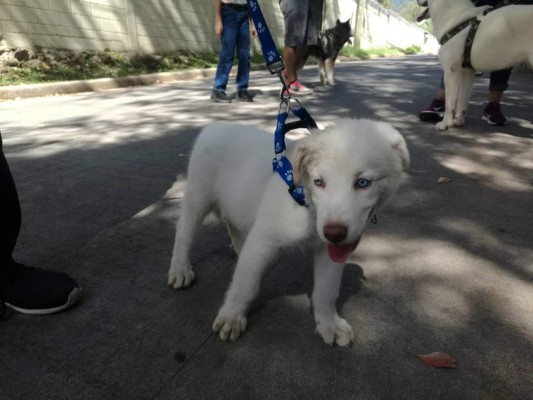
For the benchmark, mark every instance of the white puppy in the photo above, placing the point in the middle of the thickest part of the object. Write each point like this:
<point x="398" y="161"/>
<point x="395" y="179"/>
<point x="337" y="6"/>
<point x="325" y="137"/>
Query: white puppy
<point x="503" y="39"/>
<point x="348" y="171"/>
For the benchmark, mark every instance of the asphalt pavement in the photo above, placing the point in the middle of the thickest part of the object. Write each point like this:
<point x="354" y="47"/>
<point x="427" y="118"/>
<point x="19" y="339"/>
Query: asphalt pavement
<point x="448" y="267"/>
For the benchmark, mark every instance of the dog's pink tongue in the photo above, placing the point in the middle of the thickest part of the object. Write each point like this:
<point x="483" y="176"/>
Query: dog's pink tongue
<point x="340" y="254"/>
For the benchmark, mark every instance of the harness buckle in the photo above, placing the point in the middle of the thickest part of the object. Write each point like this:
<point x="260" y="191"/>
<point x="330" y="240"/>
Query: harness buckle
<point x="276" y="68"/>
<point x="287" y="101"/>
<point x="298" y="196"/>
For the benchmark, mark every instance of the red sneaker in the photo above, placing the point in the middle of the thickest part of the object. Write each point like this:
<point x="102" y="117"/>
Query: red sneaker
<point x="296" y="88"/>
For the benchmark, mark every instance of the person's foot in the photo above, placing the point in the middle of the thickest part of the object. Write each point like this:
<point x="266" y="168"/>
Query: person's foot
<point x="31" y="290"/>
<point x="219" y="96"/>
<point x="434" y="112"/>
<point x="297" y="89"/>
<point x="244" y="95"/>
<point x="493" y="115"/>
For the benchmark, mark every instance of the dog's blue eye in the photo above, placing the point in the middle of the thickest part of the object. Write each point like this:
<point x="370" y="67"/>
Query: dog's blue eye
<point x="318" y="182"/>
<point x="362" y="183"/>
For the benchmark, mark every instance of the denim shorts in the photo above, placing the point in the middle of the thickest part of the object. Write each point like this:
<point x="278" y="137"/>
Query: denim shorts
<point x="300" y="25"/>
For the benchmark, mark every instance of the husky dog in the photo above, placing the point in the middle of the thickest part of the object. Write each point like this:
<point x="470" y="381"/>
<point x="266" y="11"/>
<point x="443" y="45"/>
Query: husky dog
<point x="503" y="39"/>
<point x="348" y="171"/>
<point x="326" y="50"/>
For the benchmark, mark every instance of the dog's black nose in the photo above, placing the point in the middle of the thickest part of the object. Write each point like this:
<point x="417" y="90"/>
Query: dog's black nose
<point x="335" y="233"/>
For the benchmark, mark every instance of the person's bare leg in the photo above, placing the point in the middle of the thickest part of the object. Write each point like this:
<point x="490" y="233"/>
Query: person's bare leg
<point x="495" y="96"/>
<point x="289" y="57"/>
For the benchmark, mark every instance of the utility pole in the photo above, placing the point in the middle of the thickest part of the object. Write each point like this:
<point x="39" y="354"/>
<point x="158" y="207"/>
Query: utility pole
<point x="359" y="19"/>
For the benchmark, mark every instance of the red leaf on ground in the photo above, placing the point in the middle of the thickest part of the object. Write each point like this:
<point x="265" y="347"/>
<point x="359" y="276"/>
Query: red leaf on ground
<point x="438" y="360"/>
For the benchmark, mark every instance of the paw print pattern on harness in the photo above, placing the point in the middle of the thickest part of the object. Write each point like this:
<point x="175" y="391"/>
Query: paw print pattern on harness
<point x="288" y="175"/>
<point x="260" y="27"/>
<point x="284" y="168"/>
<point x="299" y="191"/>
<point x="271" y="55"/>
<point x="277" y="164"/>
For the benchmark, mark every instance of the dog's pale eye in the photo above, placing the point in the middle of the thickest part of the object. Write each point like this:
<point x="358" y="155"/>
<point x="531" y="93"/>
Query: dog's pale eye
<point x="362" y="183"/>
<point x="318" y="182"/>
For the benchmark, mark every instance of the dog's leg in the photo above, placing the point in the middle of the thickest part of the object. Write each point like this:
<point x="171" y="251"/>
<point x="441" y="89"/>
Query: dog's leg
<point x="321" y="71"/>
<point x="329" y="66"/>
<point x="255" y="256"/>
<point x="452" y="78"/>
<point x="329" y="324"/>
<point x="237" y="239"/>
<point x="194" y="209"/>
<point x="463" y="95"/>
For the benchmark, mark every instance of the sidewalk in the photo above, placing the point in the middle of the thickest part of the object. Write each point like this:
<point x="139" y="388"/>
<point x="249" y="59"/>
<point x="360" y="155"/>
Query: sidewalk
<point x="96" y="85"/>
<point x="449" y="267"/>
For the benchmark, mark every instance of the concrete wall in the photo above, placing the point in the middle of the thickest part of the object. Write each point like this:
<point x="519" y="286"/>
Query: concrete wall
<point x="385" y="28"/>
<point x="168" y="25"/>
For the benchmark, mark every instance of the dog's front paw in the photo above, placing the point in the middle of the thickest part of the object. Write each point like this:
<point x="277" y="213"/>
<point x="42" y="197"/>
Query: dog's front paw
<point x="336" y="331"/>
<point x="459" y="121"/>
<point x="441" y="126"/>
<point x="230" y="327"/>
<point x="180" y="279"/>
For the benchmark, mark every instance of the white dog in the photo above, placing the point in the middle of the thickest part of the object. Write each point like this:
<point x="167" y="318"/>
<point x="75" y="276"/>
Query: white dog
<point x="504" y="38"/>
<point x="348" y="172"/>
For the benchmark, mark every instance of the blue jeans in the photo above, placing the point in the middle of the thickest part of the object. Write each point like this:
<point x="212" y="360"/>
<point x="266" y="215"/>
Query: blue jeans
<point x="235" y="36"/>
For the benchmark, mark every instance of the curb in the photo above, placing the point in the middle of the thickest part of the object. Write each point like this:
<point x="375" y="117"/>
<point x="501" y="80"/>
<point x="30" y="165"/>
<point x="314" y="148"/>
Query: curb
<point x="95" y="85"/>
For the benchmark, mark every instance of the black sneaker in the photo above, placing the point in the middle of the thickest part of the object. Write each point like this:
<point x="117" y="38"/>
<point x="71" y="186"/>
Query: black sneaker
<point x="30" y="290"/>
<point x="244" y="95"/>
<point x="220" y="97"/>
<point x="492" y="115"/>
<point x="434" y="112"/>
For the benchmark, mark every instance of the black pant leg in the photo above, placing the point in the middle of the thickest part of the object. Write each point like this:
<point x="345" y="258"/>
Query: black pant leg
<point x="10" y="217"/>
<point x="499" y="79"/>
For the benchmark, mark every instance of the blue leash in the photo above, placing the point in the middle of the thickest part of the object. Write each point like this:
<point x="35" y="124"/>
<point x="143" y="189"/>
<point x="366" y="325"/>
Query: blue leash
<point x="275" y="65"/>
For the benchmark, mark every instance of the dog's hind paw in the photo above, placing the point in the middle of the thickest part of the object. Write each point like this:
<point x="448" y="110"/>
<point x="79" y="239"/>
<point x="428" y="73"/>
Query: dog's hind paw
<point x="180" y="280"/>
<point x="230" y="327"/>
<point x="337" y="332"/>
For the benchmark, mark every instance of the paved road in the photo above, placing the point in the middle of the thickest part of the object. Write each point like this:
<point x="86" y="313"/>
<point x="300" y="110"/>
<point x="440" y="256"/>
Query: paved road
<point x="449" y="267"/>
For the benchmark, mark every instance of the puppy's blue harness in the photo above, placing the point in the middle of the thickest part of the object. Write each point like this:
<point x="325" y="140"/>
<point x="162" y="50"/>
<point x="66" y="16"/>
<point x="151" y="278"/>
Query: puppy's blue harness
<point x="275" y="65"/>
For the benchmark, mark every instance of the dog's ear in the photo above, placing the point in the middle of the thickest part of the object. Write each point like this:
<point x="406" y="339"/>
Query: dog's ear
<point x="400" y="147"/>
<point x="300" y="161"/>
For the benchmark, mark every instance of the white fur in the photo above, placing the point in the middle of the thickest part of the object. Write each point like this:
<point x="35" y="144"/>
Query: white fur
<point x="230" y="172"/>
<point x="504" y="38"/>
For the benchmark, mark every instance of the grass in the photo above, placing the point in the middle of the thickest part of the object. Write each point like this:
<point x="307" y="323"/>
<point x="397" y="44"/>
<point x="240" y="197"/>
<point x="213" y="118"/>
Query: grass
<point x="102" y="65"/>
<point x="110" y="64"/>
<point x="378" y="52"/>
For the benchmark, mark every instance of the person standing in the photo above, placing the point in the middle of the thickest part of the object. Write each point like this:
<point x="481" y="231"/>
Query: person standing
<point x="232" y="26"/>
<point x="300" y="30"/>
<point x="28" y="290"/>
